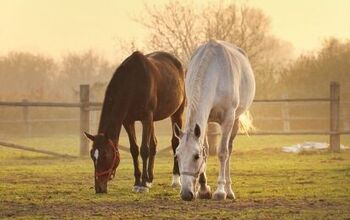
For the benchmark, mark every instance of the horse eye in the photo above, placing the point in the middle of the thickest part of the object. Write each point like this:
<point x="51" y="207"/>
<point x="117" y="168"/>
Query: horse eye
<point x="196" y="156"/>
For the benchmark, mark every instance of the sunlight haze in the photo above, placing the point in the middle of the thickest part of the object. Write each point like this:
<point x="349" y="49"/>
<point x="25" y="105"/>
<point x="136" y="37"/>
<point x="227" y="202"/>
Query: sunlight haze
<point x="57" y="27"/>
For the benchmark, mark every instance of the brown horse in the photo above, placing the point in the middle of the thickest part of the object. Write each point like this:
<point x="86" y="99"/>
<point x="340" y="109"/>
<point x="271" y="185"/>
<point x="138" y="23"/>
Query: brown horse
<point x="144" y="88"/>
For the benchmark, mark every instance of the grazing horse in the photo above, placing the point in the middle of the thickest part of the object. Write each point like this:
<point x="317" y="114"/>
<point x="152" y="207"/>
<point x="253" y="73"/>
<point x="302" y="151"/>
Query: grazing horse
<point x="144" y="88"/>
<point x="220" y="86"/>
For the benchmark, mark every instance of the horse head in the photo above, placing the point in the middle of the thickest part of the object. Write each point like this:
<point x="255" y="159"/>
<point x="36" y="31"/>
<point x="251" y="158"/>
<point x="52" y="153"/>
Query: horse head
<point x="106" y="158"/>
<point x="191" y="156"/>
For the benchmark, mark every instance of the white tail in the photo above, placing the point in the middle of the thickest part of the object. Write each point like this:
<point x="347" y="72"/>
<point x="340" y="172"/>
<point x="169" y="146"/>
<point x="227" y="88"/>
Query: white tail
<point x="246" y="123"/>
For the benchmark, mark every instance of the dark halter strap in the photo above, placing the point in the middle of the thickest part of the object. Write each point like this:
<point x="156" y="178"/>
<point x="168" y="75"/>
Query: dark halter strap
<point x="196" y="174"/>
<point x="116" y="158"/>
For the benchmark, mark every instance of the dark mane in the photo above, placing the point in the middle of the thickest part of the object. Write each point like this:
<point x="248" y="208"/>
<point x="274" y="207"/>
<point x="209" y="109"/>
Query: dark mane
<point x="119" y="80"/>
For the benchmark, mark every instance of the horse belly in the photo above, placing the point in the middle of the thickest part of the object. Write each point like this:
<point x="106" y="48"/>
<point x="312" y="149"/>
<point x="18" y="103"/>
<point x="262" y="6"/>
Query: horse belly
<point x="167" y="107"/>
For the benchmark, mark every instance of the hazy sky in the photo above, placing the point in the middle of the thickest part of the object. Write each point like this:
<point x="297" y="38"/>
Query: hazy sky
<point x="55" y="27"/>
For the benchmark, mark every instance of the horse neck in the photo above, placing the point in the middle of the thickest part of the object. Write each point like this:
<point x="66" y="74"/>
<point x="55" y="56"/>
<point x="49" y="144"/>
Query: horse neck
<point x="198" y="114"/>
<point x="112" y="115"/>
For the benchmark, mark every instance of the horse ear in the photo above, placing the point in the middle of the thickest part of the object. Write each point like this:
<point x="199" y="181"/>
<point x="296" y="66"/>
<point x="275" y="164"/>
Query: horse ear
<point x="91" y="137"/>
<point x="197" y="131"/>
<point x="177" y="131"/>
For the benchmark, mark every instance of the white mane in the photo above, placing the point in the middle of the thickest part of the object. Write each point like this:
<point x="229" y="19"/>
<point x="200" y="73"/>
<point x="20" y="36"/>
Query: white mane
<point x="196" y="76"/>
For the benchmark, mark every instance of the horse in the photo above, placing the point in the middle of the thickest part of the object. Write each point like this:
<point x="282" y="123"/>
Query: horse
<point x="220" y="86"/>
<point x="144" y="88"/>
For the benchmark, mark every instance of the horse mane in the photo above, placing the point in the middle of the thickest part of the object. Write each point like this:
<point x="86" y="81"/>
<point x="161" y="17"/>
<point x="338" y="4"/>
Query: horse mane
<point x="196" y="76"/>
<point x="113" y="88"/>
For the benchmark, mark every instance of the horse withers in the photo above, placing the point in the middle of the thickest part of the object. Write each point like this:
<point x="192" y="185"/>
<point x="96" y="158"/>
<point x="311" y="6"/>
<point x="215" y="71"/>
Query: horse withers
<point x="144" y="88"/>
<point x="220" y="86"/>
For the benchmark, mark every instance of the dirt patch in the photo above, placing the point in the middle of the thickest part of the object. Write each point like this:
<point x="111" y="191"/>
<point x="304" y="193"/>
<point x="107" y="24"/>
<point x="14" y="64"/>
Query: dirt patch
<point x="158" y="208"/>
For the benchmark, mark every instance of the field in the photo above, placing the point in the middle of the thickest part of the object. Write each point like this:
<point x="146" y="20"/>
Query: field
<point x="268" y="184"/>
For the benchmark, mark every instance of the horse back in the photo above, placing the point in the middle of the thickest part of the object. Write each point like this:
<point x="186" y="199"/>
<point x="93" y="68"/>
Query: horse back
<point x="144" y="83"/>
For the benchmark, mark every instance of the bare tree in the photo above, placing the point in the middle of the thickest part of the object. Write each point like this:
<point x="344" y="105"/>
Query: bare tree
<point x="180" y="28"/>
<point x="83" y="68"/>
<point x="310" y="74"/>
<point x="172" y="28"/>
<point x="26" y="75"/>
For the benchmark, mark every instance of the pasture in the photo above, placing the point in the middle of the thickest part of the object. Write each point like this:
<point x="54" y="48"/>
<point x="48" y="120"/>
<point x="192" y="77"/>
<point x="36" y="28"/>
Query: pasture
<point x="268" y="183"/>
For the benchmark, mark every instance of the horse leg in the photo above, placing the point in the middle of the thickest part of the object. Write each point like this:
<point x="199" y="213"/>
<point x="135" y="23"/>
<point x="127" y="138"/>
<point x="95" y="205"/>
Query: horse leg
<point x="204" y="191"/>
<point x="153" y="151"/>
<point x="134" y="150"/>
<point x="228" y="189"/>
<point x="176" y="118"/>
<point x="147" y="126"/>
<point x="226" y="128"/>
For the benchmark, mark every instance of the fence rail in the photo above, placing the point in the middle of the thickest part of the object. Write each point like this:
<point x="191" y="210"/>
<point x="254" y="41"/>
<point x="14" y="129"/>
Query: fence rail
<point x="86" y="107"/>
<point x="25" y="103"/>
<point x="294" y="100"/>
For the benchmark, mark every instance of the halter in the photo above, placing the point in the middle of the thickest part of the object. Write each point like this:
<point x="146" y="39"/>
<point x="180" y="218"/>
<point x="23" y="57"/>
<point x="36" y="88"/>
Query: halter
<point x="111" y="171"/>
<point x="196" y="174"/>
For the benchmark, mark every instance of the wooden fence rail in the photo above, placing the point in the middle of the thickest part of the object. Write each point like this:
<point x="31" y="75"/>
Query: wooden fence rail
<point x="26" y="148"/>
<point x="86" y="107"/>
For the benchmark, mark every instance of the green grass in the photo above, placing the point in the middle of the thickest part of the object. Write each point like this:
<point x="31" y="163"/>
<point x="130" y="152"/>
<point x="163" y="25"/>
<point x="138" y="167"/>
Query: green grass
<point x="268" y="184"/>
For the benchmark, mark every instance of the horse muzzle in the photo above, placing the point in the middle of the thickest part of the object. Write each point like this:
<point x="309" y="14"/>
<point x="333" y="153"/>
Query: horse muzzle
<point x="187" y="195"/>
<point x="100" y="187"/>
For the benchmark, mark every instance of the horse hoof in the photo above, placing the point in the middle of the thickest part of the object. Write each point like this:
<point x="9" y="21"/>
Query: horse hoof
<point x="148" y="185"/>
<point x="136" y="189"/>
<point x="204" y="194"/>
<point x="143" y="189"/>
<point x="231" y="196"/>
<point x="219" y="195"/>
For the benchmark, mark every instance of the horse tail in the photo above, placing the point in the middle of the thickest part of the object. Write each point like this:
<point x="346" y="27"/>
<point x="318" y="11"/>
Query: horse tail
<point x="246" y="123"/>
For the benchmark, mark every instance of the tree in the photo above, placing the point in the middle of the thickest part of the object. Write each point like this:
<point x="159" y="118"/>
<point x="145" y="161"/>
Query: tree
<point x="25" y="75"/>
<point x="311" y="73"/>
<point x="84" y="68"/>
<point x="180" y="28"/>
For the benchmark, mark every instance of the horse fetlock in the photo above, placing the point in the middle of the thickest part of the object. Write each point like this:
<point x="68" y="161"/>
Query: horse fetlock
<point x="150" y="179"/>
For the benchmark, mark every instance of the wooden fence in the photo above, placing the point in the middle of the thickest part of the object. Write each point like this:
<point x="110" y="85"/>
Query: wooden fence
<point x="86" y="107"/>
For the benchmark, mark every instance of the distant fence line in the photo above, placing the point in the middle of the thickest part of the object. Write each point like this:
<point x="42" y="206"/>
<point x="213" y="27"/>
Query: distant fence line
<point x="86" y="107"/>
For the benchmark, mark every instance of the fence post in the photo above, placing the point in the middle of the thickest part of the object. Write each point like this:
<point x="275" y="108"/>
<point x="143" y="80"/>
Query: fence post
<point x="285" y="114"/>
<point x="84" y="119"/>
<point x="334" y="139"/>
<point x="27" y="126"/>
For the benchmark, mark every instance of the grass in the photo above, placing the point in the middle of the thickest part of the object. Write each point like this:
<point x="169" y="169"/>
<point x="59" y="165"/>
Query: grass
<point x="268" y="184"/>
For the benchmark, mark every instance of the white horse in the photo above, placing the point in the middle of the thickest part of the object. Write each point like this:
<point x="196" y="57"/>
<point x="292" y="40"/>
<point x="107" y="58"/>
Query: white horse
<point x="220" y="86"/>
